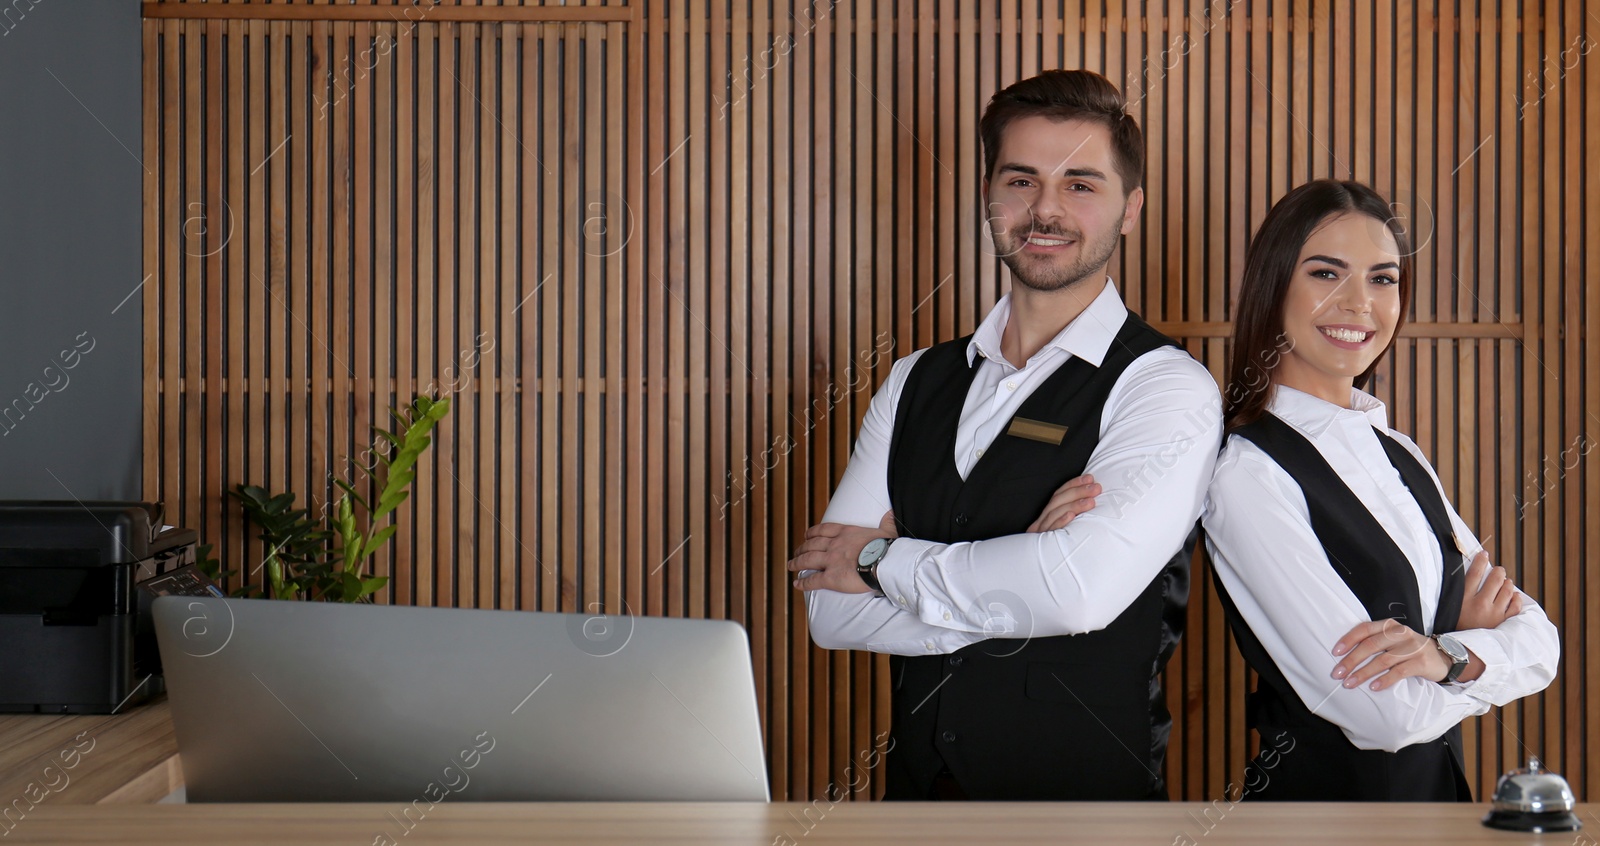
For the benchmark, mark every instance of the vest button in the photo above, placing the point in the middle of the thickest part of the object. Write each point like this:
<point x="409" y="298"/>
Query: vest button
<point x="955" y="660"/>
<point x="949" y="737"/>
<point x="961" y="519"/>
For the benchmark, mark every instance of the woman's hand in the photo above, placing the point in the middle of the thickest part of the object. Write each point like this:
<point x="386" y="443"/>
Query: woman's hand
<point x="1069" y="500"/>
<point x="1490" y="598"/>
<point x="1396" y="652"/>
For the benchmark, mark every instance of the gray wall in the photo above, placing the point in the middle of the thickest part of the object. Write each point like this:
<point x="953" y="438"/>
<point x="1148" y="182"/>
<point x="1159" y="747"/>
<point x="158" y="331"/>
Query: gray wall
<point x="70" y="226"/>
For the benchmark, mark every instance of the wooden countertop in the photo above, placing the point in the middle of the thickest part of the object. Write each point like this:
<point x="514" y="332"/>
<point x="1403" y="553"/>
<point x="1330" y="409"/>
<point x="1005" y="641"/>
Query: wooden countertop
<point x="783" y="824"/>
<point x="85" y="759"/>
<point x="84" y="774"/>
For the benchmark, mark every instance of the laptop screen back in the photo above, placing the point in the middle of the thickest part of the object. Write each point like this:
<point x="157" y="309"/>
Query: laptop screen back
<point x="280" y="701"/>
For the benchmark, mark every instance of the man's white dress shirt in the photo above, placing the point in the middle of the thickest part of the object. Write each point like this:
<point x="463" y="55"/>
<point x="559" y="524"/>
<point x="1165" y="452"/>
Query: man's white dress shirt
<point x="1159" y="433"/>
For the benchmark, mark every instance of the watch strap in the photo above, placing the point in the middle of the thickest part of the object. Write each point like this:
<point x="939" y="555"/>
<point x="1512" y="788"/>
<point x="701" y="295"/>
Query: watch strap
<point x="1457" y="665"/>
<point x="869" y="571"/>
<point x="869" y="574"/>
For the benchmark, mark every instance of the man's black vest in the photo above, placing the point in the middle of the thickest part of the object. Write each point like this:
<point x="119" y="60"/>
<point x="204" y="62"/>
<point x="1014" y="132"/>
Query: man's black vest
<point x="1055" y="718"/>
<point x="1311" y="759"/>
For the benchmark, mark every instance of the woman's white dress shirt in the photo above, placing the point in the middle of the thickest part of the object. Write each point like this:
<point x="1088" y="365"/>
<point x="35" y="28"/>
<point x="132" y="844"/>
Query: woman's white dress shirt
<point x="1258" y="531"/>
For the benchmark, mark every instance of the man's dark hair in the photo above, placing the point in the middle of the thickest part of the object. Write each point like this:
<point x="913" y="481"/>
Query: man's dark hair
<point x="1067" y="95"/>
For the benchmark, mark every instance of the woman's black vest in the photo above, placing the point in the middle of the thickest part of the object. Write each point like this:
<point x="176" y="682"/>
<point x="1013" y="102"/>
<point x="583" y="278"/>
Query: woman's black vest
<point x="1058" y="718"/>
<point x="1305" y="757"/>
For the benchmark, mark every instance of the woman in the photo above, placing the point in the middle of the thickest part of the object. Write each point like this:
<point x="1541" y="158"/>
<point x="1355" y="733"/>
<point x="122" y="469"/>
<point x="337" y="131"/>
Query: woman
<point x="1355" y="591"/>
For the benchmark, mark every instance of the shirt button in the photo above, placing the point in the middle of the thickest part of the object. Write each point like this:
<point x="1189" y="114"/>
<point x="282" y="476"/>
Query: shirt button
<point x="949" y="737"/>
<point x="947" y="615"/>
<point x="1011" y="386"/>
<point x="980" y="452"/>
<point x="900" y="599"/>
<point x="928" y="644"/>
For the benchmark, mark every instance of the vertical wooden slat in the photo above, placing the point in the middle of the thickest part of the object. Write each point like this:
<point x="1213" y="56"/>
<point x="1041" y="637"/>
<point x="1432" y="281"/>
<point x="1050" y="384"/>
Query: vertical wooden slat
<point x="429" y="173"/>
<point x="1577" y="121"/>
<point x="466" y="87"/>
<point x="1588" y="718"/>
<point x="333" y="328"/>
<point x="787" y="257"/>
<point x="662" y="139"/>
<point x="383" y="249"/>
<point x="409" y="245"/>
<point x="537" y="566"/>
<point x="809" y="233"/>
<point x="1502" y="498"/>
<point x="549" y="310"/>
<point x="450" y="553"/>
<point x="828" y="671"/>
<point x="757" y="554"/>
<point x="206" y="389"/>
<point x="568" y="299"/>
<point x="478" y="314"/>
<point x="946" y="267"/>
<point x="188" y="350"/>
<point x="272" y="282"/>
<point x="510" y="385"/>
<point x="531" y="568"/>
<point x="360" y="297"/>
<point x="979" y="61"/>
<point x="1240" y="193"/>
<point x="929" y="262"/>
<point x="1334" y="152"/>
<point x="1549" y="359"/>
<point x="254" y="230"/>
<point x="322" y="196"/>
<point x="610" y="407"/>
<point x="586" y="397"/>
<point x="233" y="103"/>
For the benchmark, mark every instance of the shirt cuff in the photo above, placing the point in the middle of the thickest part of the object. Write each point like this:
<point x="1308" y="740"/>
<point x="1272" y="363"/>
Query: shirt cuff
<point x="897" y="572"/>
<point x="1485" y="644"/>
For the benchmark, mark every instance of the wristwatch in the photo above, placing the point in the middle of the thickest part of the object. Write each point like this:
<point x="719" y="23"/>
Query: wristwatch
<point x="1456" y="652"/>
<point x="867" y="562"/>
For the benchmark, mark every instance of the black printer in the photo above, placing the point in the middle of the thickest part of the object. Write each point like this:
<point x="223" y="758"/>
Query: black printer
<point x="75" y="633"/>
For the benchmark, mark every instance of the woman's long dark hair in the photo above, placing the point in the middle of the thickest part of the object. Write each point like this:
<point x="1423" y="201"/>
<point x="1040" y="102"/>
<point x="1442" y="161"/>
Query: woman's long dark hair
<point x="1258" y="337"/>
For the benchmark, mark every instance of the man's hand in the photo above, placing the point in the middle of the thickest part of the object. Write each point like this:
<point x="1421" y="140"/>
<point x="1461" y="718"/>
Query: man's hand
<point x="1069" y="500"/>
<point x="1397" y="652"/>
<point x="832" y="550"/>
<point x="1490" y="598"/>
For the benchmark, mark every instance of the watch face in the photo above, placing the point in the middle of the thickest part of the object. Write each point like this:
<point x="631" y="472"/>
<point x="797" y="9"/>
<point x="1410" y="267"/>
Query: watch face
<point x="871" y="552"/>
<point x="1453" y="648"/>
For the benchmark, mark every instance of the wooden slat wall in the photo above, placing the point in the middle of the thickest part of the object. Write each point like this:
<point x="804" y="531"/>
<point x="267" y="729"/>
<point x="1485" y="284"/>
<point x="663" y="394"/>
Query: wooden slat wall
<point x="656" y="253"/>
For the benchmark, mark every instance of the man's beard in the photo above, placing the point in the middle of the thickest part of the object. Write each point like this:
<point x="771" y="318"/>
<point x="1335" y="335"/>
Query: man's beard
<point x="1043" y="273"/>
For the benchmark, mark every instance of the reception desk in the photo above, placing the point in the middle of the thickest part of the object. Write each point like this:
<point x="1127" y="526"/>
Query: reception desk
<point x="789" y="824"/>
<point x="104" y="796"/>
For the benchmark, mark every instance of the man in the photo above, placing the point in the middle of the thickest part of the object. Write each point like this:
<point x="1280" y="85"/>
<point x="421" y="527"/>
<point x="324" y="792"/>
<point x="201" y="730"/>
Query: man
<point x="1028" y="637"/>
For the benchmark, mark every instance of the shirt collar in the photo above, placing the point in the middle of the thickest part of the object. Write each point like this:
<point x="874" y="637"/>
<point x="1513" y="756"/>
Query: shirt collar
<point x="1314" y="415"/>
<point x="1088" y="336"/>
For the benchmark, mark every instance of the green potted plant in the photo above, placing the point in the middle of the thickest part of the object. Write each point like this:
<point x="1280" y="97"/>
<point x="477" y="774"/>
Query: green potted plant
<point x="309" y="559"/>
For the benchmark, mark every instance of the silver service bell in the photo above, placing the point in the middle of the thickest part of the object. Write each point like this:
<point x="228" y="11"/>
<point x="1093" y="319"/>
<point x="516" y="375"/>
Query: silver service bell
<point x="1533" y="799"/>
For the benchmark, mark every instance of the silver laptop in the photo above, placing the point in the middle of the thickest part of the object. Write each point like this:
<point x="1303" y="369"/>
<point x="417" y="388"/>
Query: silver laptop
<point x="282" y="701"/>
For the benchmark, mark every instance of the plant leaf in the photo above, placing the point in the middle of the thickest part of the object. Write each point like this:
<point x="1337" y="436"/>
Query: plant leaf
<point x="390" y="502"/>
<point x="352" y="493"/>
<point x="378" y="539"/>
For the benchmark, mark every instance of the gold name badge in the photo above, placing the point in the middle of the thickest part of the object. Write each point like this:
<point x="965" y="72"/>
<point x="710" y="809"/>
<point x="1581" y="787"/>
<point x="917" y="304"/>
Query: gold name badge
<point x="1037" y="430"/>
